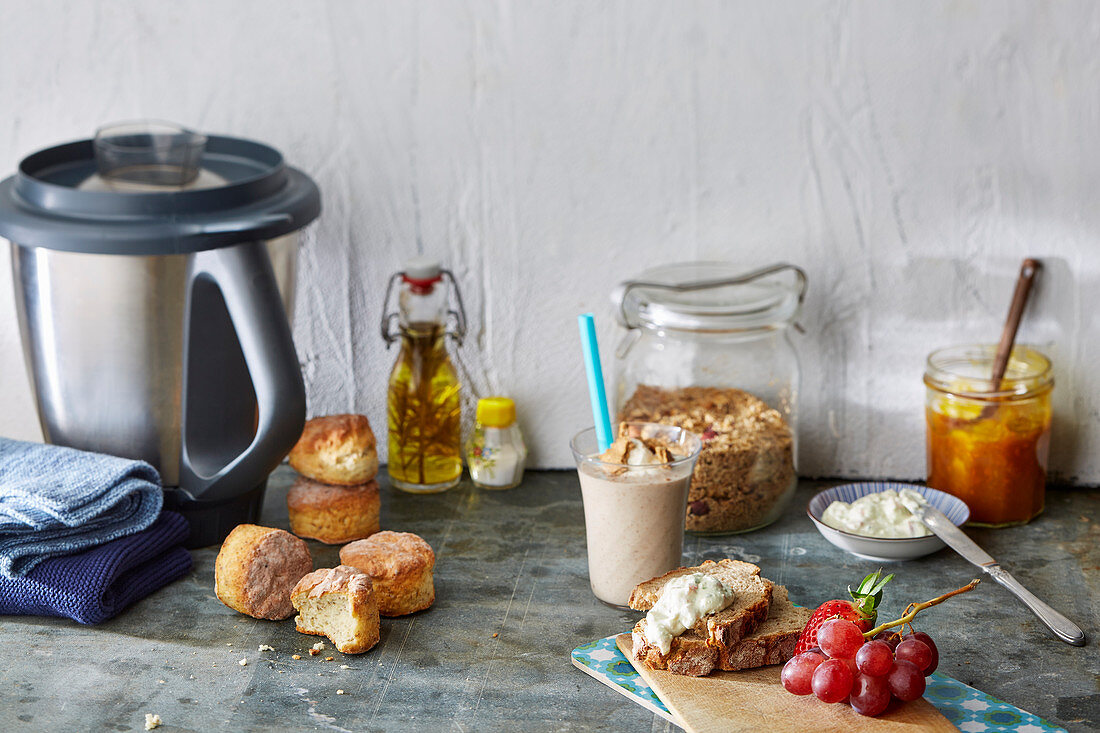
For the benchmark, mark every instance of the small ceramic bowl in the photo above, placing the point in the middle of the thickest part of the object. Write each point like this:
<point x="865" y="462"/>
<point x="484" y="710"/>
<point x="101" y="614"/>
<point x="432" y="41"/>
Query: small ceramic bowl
<point x="878" y="548"/>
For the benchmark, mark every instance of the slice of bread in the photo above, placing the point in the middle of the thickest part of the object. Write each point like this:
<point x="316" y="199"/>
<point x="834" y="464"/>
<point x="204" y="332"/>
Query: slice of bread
<point x="773" y="642"/>
<point x="752" y="597"/>
<point x="689" y="653"/>
<point x="730" y="572"/>
<point x="692" y="653"/>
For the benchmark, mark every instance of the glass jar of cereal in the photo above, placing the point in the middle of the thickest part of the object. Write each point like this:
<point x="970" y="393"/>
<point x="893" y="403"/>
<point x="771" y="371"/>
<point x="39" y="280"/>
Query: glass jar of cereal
<point x="708" y="349"/>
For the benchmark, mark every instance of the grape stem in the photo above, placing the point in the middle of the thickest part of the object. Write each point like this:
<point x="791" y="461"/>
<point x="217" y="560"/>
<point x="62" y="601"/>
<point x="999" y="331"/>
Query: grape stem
<point x="914" y="608"/>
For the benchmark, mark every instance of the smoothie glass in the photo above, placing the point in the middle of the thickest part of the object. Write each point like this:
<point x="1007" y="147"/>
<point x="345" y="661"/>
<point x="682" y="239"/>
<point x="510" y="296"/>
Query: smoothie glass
<point x="633" y="515"/>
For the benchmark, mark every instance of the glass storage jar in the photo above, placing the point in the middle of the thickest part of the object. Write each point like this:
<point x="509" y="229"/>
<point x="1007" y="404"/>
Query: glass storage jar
<point x="989" y="447"/>
<point x="708" y="349"/>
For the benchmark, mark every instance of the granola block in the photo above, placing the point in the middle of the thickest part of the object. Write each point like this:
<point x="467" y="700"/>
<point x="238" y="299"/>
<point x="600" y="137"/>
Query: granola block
<point x="746" y="467"/>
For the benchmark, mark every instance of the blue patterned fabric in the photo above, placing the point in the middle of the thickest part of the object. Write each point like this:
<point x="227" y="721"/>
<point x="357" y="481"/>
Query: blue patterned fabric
<point x="97" y="584"/>
<point x="57" y="501"/>
<point x="970" y="710"/>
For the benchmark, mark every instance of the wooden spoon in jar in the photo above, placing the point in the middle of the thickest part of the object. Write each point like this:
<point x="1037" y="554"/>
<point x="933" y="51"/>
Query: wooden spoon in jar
<point x="1028" y="271"/>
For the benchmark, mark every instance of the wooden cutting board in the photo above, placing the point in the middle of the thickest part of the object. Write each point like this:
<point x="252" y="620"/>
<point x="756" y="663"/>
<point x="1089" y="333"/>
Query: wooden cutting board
<point x="753" y="700"/>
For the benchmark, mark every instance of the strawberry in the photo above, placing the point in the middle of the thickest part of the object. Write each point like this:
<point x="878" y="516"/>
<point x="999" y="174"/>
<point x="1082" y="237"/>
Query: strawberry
<point x="861" y="610"/>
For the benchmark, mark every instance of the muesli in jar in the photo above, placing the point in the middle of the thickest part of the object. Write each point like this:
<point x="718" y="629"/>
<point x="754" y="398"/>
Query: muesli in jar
<point x="746" y="466"/>
<point x="708" y="349"/>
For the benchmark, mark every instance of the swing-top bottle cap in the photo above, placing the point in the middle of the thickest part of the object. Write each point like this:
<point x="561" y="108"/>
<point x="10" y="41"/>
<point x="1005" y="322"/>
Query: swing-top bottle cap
<point x="423" y="270"/>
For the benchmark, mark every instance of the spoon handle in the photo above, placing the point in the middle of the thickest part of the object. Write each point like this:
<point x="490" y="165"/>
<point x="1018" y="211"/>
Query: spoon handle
<point x="1012" y="323"/>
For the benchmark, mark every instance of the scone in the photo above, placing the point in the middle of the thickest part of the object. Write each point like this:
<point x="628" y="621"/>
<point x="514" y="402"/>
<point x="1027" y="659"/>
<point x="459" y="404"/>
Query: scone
<point x="338" y="603"/>
<point x="256" y="569"/>
<point x="400" y="564"/>
<point x="333" y="514"/>
<point x="337" y="449"/>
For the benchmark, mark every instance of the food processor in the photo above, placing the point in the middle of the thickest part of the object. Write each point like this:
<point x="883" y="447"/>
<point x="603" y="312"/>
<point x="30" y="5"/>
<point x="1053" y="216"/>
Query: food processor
<point x="154" y="278"/>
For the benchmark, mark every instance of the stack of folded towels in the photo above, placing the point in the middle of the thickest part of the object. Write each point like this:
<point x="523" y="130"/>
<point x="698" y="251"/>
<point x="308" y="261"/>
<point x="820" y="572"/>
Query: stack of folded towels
<point x="82" y="535"/>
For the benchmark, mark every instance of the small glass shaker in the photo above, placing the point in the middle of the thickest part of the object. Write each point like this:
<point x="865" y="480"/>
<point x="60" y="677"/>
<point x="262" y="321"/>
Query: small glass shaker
<point x="495" y="453"/>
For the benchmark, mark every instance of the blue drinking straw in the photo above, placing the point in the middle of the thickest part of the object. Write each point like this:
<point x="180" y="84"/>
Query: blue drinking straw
<point x="596" y="391"/>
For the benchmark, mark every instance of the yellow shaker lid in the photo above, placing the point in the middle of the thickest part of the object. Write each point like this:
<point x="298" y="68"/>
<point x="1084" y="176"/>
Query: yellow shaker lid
<point x="496" y="412"/>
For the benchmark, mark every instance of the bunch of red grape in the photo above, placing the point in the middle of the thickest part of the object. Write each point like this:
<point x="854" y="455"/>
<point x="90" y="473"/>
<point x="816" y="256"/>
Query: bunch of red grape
<point x="865" y="673"/>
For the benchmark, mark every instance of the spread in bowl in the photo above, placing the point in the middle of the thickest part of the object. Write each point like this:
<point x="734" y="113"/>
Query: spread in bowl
<point x="884" y="514"/>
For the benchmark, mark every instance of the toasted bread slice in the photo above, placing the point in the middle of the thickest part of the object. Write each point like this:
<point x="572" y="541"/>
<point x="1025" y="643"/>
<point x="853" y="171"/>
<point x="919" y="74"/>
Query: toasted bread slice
<point x="752" y="597"/>
<point x="689" y="654"/>
<point x="645" y="595"/>
<point x="773" y="642"/>
<point x="694" y="654"/>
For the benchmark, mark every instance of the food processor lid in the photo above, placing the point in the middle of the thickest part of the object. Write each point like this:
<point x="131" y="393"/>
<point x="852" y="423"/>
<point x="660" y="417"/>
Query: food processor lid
<point x="43" y="206"/>
<point x="711" y="297"/>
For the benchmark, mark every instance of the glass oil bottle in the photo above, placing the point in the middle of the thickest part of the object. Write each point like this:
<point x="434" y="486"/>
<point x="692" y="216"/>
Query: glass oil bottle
<point x="424" y="402"/>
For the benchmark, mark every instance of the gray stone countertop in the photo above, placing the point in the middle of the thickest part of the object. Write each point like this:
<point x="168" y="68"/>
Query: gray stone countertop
<point x="512" y="600"/>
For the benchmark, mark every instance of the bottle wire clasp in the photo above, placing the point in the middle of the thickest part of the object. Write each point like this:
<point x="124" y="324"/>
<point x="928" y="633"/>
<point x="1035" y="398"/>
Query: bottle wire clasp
<point x="391" y="321"/>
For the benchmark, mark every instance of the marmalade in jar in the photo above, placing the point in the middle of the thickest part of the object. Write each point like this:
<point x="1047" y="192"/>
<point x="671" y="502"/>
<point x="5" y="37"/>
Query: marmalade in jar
<point x="989" y="448"/>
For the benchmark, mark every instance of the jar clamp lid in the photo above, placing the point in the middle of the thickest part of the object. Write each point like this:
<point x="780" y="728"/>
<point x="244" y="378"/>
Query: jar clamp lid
<point x="711" y="297"/>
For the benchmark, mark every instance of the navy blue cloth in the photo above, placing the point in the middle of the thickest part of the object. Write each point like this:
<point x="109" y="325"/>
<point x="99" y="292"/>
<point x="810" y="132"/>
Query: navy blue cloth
<point x="57" y="501"/>
<point x="97" y="584"/>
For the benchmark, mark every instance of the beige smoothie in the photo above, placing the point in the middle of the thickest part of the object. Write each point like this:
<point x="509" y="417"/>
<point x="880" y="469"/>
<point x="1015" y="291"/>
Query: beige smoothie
<point x="635" y="496"/>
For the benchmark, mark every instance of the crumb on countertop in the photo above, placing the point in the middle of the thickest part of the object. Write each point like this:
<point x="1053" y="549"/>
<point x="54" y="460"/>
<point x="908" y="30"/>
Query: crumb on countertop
<point x="344" y="666"/>
<point x="243" y="662"/>
<point x="319" y="645"/>
<point x="339" y="692"/>
<point x="295" y="656"/>
<point x="151" y="721"/>
<point x="329" y="659"/>
<point x="266" y="648"/>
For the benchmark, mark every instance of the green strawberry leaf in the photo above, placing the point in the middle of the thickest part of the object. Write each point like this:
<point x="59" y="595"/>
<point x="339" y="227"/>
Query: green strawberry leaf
<point x="868" y="595"/>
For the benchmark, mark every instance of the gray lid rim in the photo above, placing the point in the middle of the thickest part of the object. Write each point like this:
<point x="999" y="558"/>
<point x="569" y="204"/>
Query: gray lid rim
<point x="35" y="212"/>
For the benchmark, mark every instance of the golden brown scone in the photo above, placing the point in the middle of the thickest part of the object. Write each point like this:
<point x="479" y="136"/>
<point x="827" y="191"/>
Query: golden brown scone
<point x="256" y="569"/>
<point x="333" y="514"/>
<point x="400" y="564"/>
<point x="337" y="449"/>
<point x="338" y="603"/>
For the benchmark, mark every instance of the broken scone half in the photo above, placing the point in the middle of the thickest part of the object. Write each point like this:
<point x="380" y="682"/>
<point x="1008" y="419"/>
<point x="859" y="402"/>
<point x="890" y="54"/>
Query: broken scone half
<point x="338" y="603"/>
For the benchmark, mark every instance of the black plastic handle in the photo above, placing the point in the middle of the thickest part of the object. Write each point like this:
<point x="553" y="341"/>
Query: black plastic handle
<point x="246" y="281"/>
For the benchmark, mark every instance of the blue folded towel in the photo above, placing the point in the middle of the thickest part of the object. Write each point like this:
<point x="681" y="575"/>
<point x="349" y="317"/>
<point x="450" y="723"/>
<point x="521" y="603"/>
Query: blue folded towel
<point x="97" y="584"/>
<point x="57" y="501"/>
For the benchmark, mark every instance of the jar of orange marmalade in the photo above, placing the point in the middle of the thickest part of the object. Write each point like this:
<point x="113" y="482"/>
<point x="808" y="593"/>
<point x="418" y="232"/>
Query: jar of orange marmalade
<point x="988" y="446"/>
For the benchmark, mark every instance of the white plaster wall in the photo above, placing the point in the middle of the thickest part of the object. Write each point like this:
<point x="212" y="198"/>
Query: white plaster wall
<point x="906" y="154"/>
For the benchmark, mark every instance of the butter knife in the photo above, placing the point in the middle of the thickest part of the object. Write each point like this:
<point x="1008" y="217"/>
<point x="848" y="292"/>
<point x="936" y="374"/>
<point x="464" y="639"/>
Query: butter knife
<point x="957" y="540"/>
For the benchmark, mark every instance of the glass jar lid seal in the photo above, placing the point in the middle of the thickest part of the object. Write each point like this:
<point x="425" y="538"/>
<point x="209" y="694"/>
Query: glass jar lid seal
<point x="712" y="296"/>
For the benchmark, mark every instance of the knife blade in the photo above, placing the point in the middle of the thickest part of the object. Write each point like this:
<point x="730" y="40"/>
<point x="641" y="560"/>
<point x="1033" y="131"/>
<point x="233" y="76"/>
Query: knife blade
<point x="957" y="540"/>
